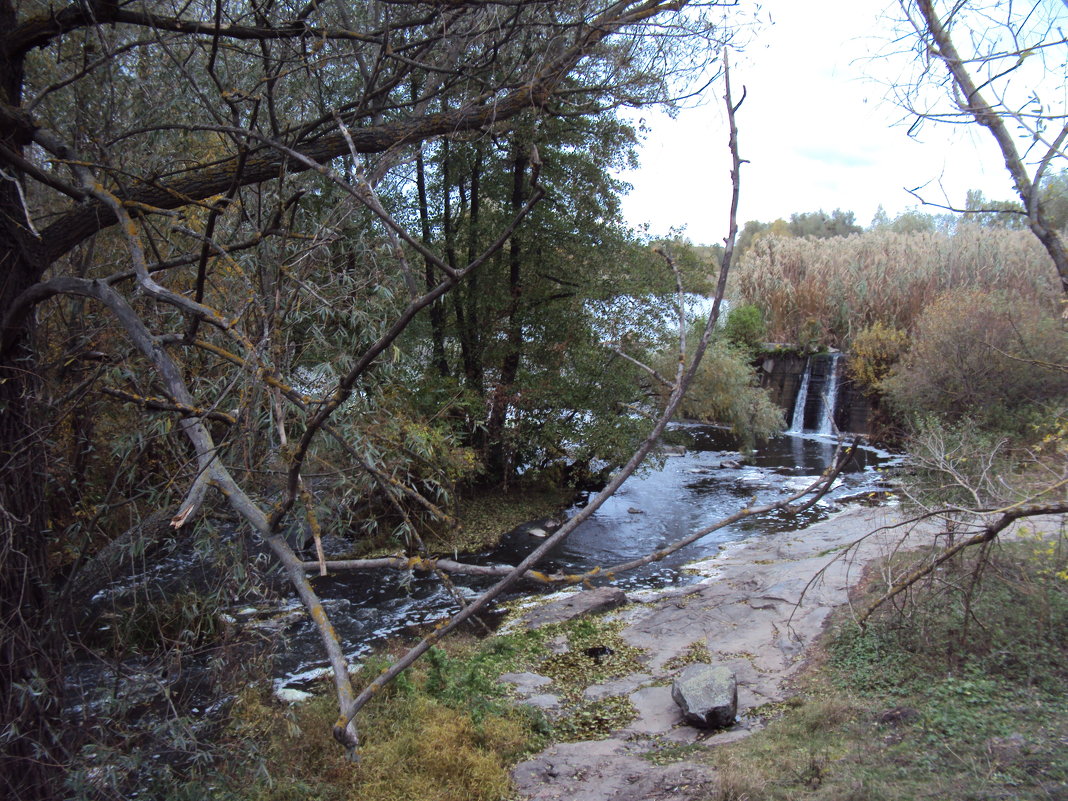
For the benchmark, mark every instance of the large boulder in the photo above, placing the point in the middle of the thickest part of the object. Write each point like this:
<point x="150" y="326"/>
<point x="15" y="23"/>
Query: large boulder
<point x="707" y="695"/>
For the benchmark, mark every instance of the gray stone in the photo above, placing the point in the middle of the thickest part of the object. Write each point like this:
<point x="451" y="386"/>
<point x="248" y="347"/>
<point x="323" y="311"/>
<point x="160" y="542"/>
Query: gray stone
<point x="656" y="714"/>
<point x="707" y="695"/>
<point x="623" y="686"/>
<point x="546" y="702"/>
<point x="558" y="645"/>
<point x="291" y="695"/>
<point x="578" y="605"/>
<point x="525" y="683"/>
<point x="604" y="770"/>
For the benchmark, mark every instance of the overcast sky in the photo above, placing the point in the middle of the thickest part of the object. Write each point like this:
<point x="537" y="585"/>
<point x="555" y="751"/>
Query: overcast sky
<point x="816" y="128"/>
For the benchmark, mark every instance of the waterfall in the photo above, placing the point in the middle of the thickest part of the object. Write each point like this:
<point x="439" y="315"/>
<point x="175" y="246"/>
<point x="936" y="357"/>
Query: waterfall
<point x="817" y="396"/>
<point x="797" y="422"/>
<point x="830" y="396"/>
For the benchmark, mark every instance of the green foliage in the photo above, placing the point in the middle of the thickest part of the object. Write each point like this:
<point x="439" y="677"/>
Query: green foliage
<point x="814" y="224"/>
<point x="576" y="668"/>
<point x="907" y="222"/>
<point x="987" y="355"/>
<point x="1011" y="627"/>
<point x="745" y="327"/>
<point x="754" y="231"/>
<point x="724" y="391"/>
<point x="525" y="337"/>
<point x="994" y="213"/>
<point x="960" y="464"/>
<point x="595" y="720"/>
<point x="445" y="731"/>
<point x="468" y="684"/>
<point x="1055" y="199"/>
<point x="820" y="225"/>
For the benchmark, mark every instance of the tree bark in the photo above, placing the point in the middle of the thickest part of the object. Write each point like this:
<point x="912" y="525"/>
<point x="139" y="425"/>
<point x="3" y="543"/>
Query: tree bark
<point x="437" y="309"/>
<point x="973" y="103"/>
<point x="31" y="645"/>
<point x="499" y="457"/>
<point x="30" y="641"/>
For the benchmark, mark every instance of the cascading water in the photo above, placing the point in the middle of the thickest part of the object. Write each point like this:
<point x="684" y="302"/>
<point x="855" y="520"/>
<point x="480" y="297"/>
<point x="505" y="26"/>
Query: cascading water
<point x="797" y="422"/>
<point x="830" y="396"/>
<point x="816" y="403"/>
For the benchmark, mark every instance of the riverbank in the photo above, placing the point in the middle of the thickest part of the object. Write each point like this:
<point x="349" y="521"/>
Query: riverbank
<point x="764" y="604"/>
<point x="582" y="709"/>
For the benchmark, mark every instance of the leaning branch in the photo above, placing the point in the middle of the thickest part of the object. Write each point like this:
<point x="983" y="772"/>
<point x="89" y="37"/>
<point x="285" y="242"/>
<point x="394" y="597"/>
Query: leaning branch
<point x="477" y="113"/>
<point x="683" y="379"/>
<point x="972" y="102"/>
<point x="989" y="533"/>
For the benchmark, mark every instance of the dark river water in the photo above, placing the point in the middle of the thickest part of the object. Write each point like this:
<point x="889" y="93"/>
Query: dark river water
<point x="653" y="508"/>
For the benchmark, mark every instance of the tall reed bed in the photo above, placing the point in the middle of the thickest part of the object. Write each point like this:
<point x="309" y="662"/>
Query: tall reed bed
<point x="827" y="290"/>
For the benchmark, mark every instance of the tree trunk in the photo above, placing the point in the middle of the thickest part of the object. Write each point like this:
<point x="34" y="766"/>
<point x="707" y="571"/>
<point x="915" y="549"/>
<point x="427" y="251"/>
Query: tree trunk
<point x="499" y="457"/>
<point x="437" y="308"/>
<point x="31" y="645"/>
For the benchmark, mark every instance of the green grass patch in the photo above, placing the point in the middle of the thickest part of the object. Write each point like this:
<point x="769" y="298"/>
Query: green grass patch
<point x="595" y="720"/>
<point x="694" y="652"/>
<point x="596" y="654"/>
<point x="957" y="694"/>
<point x="445" y="730"/>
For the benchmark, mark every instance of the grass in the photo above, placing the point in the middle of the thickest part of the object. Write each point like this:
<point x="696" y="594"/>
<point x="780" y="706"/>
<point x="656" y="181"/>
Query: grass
<point x="941" y="699"/>
<point x="446" y="730"/>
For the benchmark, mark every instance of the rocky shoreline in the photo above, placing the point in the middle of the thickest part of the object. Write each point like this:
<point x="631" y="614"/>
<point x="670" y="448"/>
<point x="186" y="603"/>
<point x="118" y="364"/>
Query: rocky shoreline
<point x="763" y="602"/>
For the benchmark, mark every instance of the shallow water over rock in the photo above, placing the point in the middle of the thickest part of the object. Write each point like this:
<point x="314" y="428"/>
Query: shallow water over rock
<point x="710" y="480"/>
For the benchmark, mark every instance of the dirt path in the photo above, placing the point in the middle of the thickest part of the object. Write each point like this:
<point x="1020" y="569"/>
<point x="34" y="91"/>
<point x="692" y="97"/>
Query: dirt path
<point x="747" y="614"/>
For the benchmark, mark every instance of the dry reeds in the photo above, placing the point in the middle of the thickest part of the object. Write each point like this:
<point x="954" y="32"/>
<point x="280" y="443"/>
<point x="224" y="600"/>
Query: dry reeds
<point x="830" y="289"/>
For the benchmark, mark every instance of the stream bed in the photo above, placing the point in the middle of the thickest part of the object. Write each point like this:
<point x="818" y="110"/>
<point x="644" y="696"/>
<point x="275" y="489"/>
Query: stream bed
<point x="171" y="704"/>
<point x="703" y="481"/>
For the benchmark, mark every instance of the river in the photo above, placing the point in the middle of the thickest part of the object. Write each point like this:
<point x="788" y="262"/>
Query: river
<point x="653" y="508"/>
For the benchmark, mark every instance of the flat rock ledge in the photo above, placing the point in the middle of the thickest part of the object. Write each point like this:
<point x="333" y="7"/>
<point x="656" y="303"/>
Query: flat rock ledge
<point x="607" y="769"/>
<point x="754" y="616"/>
<point x="707" y="695"/>
<point x="579" y="604"/>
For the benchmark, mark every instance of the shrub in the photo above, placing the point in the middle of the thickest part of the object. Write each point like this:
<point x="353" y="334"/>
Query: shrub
<point x="725" y="391"/>
<point x="745" y="327"/>
<point x="987" y="355"/>
<point x="873" y="354"/>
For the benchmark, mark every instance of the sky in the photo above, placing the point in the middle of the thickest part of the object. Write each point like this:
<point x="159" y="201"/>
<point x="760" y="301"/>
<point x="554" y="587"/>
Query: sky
<point x="816" y="128"/>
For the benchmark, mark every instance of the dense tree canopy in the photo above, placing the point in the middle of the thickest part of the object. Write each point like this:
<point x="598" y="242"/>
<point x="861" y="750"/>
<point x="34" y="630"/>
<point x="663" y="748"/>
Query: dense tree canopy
<point x="224" y="216"/>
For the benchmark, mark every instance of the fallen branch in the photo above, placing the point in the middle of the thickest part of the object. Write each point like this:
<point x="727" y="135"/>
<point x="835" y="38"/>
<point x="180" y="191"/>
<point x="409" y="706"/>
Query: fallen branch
<point x="683" y="377"/>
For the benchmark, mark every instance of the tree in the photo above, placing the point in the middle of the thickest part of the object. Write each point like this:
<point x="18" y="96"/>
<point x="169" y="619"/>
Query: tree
<point x="184" y="181"/>
<point x="996" y="83"/>
<point x="820" y="225"/>
<point x="745" y="328"/>
<point x="725" y="390"/>
<point x="516" y="336"/>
